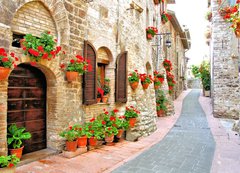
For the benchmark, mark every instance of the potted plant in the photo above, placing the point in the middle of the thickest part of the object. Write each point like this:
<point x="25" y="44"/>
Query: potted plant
<point x="146" y="80"/>
<point x="161" y="103"/>
<point x="106" y="92"/>
<point x="121" y="124"/>
<point x="100" y="92"/>
<point x="133" y="79"/>
<point x="171" y="82"/>
<point x="151" y="32"/>
<point x="40" y="48"/>
<point x="158" y="79"/>
<point x="94" y="131"/>
<point x="108" y="120"/>
<point x="6" y="62"/>
<point x="76" y="66"/>
<point x="131" y="114"/>
<point x="81" y="135"/>
<point x="167" y="64"/>
<point x="71" y="138"/>
<point x="165" y="17"/>
<point x="15" y="137"/>
<point x="8" y="163"/>
<point x="206" y="78"/>
<point x="106" y="81"/>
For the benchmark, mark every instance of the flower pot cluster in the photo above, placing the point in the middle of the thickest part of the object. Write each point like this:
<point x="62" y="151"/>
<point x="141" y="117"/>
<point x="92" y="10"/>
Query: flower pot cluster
<point x="158" y="80"/>
<point x="165" y="17"/>
<point x="6" y="63"/>
<point x="103" y="92"/>
<point x="15" y="137"/>
<point x="8" y="163"/>
<point x="105" y="126"/>
<point x="167" y="64"/>
<point x="231" y="14"/>
<point x="75" y="67"/>
<point x="40" y="48"/>
<point x="161" y="101"/>
<point x="151" y="32"/>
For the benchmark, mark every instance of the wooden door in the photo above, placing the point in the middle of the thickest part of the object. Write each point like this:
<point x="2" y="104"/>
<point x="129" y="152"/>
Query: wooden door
<point x="27" y="104"/>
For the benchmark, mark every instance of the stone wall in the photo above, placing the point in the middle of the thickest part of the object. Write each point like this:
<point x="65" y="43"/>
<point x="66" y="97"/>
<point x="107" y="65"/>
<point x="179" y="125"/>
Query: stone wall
<point x="119" y="29"/>
<point x="225" y="79"/>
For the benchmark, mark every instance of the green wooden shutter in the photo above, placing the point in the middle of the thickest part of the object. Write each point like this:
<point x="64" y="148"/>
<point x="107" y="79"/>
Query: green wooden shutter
<point x="121" y="78"/>
<point x="90" y="78"/>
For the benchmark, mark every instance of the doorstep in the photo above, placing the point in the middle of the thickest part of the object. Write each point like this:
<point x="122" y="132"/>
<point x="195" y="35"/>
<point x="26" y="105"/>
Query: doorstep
<point x="37" y="155"/>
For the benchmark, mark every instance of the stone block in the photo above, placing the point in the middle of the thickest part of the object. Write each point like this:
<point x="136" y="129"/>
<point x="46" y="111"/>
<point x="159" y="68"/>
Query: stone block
<point x="69" y="154"/>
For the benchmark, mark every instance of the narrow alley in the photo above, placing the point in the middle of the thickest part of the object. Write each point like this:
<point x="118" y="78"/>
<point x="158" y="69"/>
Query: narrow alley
<point x="187" y="148"/>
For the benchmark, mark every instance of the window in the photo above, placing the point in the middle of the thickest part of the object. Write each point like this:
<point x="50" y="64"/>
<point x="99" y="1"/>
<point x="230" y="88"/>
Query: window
<point x="121" y="78"/>
<point x="16" y="39"/>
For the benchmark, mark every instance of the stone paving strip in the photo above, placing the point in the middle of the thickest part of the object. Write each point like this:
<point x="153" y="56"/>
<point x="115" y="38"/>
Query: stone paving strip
<point x="107" y="158"/>
<point x="188" y="147"/>
<point x="227" y="153"/>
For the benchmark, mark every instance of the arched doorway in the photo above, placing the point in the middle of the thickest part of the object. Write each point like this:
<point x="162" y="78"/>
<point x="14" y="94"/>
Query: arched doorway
<point x="27" y="104"/>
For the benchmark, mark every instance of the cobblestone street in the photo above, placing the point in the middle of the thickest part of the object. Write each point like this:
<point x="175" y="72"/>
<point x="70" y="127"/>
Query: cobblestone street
<point x="187" y="148"/>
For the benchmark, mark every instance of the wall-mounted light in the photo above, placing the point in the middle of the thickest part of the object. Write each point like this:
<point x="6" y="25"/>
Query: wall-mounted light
<point x="168" y="43"/>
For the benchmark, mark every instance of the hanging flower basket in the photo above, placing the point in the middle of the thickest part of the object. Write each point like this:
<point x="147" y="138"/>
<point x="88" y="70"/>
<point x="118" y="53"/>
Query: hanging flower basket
<point x="134" y="85"/>
<point x="145" y="85"/>
<point x="132" y="122"/>
<point x="72" y="76"/>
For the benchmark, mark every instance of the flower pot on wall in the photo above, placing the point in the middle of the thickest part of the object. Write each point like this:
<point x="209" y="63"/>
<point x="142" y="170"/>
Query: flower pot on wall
<point x="99" y="100"/>
<point x="145" y="86"/>
<point x="156" y="87"/>
<point x="71" y="76"/>
<point x="71" y="146"/>
<point x="149" y="36"/>
<point x="132" y="122"/>
<point x="4" y="72"/>
<point x="17" y="152"/>
<point x="134" y="85"/>
<point x="237" y="31"/>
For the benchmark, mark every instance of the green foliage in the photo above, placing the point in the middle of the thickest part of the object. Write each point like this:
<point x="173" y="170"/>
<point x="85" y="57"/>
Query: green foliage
<point x="133" y="77"/>
<point x="161" y="100"/>
<point x="106" y="89"/>
<point x="80" y="129"/>
<point x="131" y="112"/>
<point x="69" y="134"/>
<point x="8" y="161"/>
<point x="5" y="60"/>
<point x="94" y="128"/>
<point x="195" y="71"/>
<point x="15" y="136"/>
<point x="106" y="80"/>
<point x="205" y="75"/>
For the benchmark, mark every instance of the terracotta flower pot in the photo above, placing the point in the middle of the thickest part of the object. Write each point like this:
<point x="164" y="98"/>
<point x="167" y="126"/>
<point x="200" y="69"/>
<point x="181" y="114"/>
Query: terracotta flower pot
<point x="104" y="99"/>
<point x="134" y="85"/>
<point x="82" y="141"/>
<point x="17" y="152"/>
<point x="120" y="132"/>
<point x="156" y="2"/>
<point x="237" y="31"/>
<point x="8" y="170"/>
<point x="156" y="87"/>
<point x="132" y="122"/>
<point x="109" y="138"/>
<point x="99" y="100"/>
<point x="4" y="72"/>
<point x="149" y="36"/>
<point x="160" y="113"/>
<point x="71" y="76"/>
<point x="71" y="146"/>
<point x="145" y="86"/>
<point x="92" y="141"/>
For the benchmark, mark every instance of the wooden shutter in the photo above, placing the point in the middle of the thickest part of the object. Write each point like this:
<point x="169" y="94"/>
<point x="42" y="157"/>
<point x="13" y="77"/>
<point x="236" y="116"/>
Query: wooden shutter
<point x="90" y="78"/>
<point x="121" y="78"/>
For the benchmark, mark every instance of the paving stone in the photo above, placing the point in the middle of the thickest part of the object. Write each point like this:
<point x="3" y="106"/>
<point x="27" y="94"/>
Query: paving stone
<point x="187" y="148"/>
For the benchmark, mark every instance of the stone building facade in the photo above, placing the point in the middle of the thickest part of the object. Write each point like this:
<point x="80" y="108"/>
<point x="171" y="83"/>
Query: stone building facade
<point x="107" y="32"/>
<point x="225" y="60"/>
